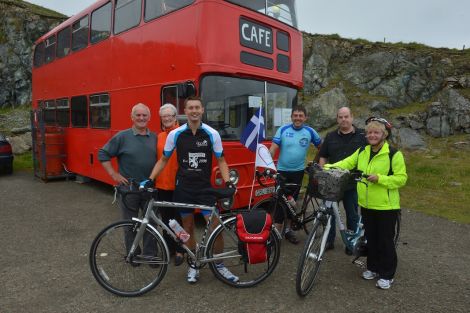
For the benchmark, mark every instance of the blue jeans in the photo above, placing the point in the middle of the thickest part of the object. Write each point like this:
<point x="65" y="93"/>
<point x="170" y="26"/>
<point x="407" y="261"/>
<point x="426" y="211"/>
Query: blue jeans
<point x="352" y="217"/>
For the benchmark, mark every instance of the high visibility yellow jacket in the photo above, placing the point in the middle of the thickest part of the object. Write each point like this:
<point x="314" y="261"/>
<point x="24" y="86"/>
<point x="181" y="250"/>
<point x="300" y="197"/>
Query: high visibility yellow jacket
<point x="382" y="195"/>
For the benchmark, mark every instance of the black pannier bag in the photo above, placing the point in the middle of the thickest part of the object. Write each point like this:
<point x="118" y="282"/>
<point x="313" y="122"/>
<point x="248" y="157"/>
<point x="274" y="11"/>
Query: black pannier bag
<point x="253" y="229"/>
<point x="328" y="185"/>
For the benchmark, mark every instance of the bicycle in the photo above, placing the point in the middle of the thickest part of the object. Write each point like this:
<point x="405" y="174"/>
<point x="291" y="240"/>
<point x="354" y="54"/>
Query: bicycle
<point x="313" y="252"/>
<point x="280" y="207"/>
<point x="129" y="271"/>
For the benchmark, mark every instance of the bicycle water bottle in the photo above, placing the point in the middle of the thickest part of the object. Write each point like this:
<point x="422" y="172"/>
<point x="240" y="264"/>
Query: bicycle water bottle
<point x="179" y="231"/>
<point x="291" y="201"/>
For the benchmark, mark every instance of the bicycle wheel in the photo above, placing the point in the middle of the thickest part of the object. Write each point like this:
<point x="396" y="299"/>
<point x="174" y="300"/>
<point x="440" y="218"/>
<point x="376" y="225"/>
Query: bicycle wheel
<point x="249" y="274"/>
<point x="309" y="213"/>
<point x="114" y="273"/>
<point x="310" y="260"/>
<point x="277" y="209"/>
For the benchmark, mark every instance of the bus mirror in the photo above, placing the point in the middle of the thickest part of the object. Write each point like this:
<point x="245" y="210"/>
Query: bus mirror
<point x="186" y="90"/>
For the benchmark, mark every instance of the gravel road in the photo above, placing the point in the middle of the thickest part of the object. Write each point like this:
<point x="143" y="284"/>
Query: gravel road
<point x="46" y="231"/>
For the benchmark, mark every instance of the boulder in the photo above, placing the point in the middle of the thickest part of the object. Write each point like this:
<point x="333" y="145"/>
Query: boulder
<point x="21" y="144"/>
<point x="409" y="139"/>
<point x="448" y="115"/>
<point x="322" y="110"/>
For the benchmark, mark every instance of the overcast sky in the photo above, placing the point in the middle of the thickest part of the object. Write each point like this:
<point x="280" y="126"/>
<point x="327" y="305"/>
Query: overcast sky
<point x="437" y="23"/>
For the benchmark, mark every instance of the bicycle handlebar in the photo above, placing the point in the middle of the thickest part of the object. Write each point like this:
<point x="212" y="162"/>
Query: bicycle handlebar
<point x="356" y="174"/>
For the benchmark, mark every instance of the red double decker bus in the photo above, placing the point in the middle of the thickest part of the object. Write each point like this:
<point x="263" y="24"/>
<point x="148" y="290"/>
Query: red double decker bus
<point x="90" y="70"/>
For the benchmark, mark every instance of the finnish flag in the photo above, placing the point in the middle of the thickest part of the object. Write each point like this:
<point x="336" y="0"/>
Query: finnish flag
<point x="254" y="131"/>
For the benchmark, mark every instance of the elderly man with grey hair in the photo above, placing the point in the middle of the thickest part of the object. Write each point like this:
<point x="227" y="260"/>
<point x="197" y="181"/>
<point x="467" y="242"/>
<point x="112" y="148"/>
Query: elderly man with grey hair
<point x="136" y="151"/>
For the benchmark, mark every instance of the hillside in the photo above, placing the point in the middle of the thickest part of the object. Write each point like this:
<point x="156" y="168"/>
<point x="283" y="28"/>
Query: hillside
<point x="423" y="90"/>
<point x="21" y="24"/>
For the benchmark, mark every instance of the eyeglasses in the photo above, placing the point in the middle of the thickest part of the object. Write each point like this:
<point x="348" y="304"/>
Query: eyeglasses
<point x="168" y="116"/>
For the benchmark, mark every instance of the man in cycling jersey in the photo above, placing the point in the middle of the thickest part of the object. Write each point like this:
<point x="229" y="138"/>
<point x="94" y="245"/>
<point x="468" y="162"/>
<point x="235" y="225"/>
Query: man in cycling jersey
<point x="293" y="140"/>
<point x="195" y="142"/>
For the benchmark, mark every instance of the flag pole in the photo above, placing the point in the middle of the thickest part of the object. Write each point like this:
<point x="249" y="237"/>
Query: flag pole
<point x="256" y="151"/>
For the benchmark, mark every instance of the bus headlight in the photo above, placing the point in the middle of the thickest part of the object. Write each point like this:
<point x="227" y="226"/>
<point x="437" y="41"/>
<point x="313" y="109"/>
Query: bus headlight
<point x="234" y="176"/>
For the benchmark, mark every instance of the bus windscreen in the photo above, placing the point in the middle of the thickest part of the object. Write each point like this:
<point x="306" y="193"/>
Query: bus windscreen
<point x="231" y="102"/>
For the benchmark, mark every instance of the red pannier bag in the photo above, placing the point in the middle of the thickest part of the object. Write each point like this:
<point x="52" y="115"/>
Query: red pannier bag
<point x="253" y="229"/>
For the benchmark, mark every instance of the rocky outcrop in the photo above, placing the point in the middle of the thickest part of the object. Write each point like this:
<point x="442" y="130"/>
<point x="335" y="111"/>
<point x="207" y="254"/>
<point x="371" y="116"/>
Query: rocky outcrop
<point x="378" y="79"/>
<point x="21" y="24"/>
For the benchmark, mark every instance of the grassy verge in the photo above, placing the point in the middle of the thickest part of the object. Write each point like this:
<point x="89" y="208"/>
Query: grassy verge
<point x="439" y="179"/>
<point x="23" y="161"/>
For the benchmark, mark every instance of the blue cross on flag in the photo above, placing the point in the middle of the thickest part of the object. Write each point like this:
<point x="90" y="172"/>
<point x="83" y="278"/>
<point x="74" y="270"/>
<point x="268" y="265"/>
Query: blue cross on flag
<point x="254" y="131"/>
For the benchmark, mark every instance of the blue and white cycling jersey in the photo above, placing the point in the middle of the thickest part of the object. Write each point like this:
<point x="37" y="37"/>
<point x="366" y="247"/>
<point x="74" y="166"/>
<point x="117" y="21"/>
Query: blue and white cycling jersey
<point x="294" y="144"/>
<point x="194" y="153"/>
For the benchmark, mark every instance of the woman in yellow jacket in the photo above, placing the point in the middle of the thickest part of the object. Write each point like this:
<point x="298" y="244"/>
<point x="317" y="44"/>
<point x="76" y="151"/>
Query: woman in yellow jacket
<point x="378" y="198"/>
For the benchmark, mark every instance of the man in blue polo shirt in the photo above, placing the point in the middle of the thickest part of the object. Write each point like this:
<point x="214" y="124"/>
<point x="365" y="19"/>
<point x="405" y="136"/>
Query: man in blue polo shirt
<point x="294" y="141"/>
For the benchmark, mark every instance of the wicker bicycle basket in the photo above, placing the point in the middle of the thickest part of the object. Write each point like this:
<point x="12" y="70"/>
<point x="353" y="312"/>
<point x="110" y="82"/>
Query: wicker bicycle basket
<point x="328" y="185"/>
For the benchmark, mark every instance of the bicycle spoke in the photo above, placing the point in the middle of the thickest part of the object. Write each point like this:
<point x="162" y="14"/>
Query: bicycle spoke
<point x="112" y="269"/>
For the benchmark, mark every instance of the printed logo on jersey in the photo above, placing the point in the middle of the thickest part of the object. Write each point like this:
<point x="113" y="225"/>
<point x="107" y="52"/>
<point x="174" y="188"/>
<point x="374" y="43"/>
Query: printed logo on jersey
<point x="303" y="142"/>
<point x="196" y="158"/>
<point x="201" y="143"/>
<point x="289" y="135"/>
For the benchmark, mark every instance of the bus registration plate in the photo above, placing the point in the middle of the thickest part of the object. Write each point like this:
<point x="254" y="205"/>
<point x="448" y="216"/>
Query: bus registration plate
<point x="264" y="191"/>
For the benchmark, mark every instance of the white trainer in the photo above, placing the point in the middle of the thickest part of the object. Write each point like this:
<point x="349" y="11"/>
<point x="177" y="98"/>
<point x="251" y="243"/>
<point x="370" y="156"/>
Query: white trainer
<point x="193" y="275"/>
<point x="384" y="283"/>
<point x="369" y="275"/>
<point x="226" y="273"/>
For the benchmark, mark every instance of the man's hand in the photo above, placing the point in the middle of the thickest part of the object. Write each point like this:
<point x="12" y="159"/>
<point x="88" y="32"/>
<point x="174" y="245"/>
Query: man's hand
<point x="145" y="184"/>
<point x="119" y="179"/>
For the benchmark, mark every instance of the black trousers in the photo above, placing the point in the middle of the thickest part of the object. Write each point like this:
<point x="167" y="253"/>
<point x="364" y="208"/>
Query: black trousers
<point x="294" y="177"/>
<point x="168" y="214"/>
<point x="379" y="226"/>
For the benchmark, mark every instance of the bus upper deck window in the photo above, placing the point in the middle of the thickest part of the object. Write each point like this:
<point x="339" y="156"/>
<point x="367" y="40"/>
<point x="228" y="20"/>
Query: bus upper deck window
<point x="80" y="34"/>
<point x="281" y="10"/>
<point x="156" y="8"/>
<point x="63" y="42"/>
<point x="50" y="49"/>
<point x="101" y="23"/>
<point x="126" y="15"/>
<point x="39" y="54"/>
